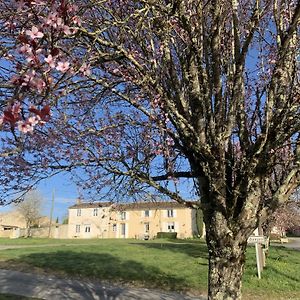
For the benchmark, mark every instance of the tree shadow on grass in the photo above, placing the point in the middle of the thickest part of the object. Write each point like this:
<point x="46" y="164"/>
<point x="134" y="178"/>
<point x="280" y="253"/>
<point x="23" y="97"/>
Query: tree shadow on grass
<point x="193" y="249"/>
<point x="103" y="267"/>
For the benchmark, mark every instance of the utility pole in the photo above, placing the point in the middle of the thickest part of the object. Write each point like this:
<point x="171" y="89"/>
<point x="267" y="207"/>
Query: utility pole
<point x="51" y="213"/>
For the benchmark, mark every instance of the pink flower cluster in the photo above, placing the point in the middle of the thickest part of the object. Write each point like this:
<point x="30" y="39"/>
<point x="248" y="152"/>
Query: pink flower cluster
<point x="30" y="80"/>
<point x="28" y="125"/>
<point x="12" y="116"/>
<point x="85" y="69"/>
<point x="34" y="33"/>
<point x="56" y="22"/>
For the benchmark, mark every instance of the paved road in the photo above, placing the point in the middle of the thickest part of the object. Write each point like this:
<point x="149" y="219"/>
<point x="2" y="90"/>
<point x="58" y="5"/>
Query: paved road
<point x="294" y="243"/>
<point x="51" y="287"/>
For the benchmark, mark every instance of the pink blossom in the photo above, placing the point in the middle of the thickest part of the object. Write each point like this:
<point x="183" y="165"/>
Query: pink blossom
<point x="50" y="60"/>
<point x="25" y="126"/>
<point x="67" y="30"/>
<point x="39" y="84"/>
<point x="63" y="66"/>
<point x="54" y="21"/>
<point x="25" y="49"/>
<point x="10" y="25"/>
<point x="34" y="33"/>
<point x="85" y="69"/>
<point x="76" y="20"/>
<point x="34" y="120"/>
<point x="28" y="125"/>
<point x="29" y="76"/>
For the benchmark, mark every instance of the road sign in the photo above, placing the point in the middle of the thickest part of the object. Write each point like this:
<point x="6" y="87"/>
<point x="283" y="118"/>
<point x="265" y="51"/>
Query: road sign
<point x="258" y="239"/>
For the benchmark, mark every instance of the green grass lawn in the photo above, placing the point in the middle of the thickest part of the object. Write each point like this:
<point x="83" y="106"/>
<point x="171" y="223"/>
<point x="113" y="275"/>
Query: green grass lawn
<point x="179" y="265"/>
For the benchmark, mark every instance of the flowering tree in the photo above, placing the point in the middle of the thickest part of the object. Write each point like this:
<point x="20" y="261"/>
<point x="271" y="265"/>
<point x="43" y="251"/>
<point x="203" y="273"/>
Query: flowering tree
<point x="145" y="94"/>
<point x="286" y="217"/>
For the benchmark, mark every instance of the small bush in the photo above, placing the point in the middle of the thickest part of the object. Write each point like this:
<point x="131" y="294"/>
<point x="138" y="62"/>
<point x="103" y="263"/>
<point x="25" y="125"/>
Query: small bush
<point x="166" y="235"/>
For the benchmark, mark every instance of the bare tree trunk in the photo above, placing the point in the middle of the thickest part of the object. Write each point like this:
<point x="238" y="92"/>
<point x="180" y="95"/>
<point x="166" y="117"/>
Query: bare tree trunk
<point x="227" y="245"/>
<point x="226" y="266"/>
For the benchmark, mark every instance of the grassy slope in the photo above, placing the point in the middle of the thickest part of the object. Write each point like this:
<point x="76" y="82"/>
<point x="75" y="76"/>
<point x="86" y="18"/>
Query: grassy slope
<point x="179" y="265"/>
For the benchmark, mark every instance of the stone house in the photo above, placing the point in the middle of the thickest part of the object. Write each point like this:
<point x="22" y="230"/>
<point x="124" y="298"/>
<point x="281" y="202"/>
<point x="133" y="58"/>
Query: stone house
<point x="132" y="220"/>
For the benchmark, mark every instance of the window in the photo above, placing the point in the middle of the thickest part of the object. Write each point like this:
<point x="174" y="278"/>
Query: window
<point x="78" y="212"/>
<point x="147" y="213"/>
<point x="123" y="215"/>
<point x="147" y="227"/>
<point x="171" y="227"/>
<point x="170" y="213"/>
<point x="77" y="229"/>
<point x="114" y="227"/>
<point x="95" y="212"/>
<point x="87" y="228"/>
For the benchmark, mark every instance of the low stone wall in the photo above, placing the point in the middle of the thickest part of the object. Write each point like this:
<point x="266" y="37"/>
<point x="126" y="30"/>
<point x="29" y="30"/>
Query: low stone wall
<point x="56" y="232"/>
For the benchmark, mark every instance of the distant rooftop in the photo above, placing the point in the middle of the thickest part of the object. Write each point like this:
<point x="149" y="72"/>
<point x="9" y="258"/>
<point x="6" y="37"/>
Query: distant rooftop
<point x="91" y="205"/>
<point x="130" y="206"/>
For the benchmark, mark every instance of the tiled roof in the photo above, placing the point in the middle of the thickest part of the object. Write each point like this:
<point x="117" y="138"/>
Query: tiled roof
<point x="131" y="206"/>
<point x="90" y="205"/>
<point x="148" y="205"/>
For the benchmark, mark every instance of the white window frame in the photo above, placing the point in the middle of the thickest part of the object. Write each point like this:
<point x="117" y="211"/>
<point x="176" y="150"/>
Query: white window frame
<point x="170" y="213"/>
<point x="77" y="229"/>
<point x="78" y="212"/>
<point x="114" y="227"/>
<point x="95" y="212"/>
<point x="123" y="215"/>
<point x="170" y="225"/>
<point x="87" y="228"/>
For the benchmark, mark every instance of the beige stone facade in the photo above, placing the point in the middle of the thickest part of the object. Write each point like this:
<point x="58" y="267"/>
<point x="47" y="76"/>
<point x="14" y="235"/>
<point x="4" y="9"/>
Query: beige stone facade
<point x="12" y="218"/>
<point x="13" y="225"/>
<point x="134" y="220"/>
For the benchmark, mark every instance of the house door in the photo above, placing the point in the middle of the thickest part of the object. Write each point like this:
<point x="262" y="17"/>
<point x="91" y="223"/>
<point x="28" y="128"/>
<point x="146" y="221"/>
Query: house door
<point x="87" y="231"/>
<point x="123" y="230"/>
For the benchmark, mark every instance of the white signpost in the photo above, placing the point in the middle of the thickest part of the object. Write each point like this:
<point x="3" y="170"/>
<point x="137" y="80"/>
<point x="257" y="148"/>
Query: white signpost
<point x="258" y="240"/>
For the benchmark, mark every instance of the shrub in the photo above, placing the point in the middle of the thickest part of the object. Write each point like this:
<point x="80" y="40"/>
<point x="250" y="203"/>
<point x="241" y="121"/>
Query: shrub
<point x="166" y="235"/>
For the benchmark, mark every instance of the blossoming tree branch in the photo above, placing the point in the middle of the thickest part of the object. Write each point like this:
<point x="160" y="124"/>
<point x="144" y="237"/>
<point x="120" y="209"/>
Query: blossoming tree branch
<point x="134" y="97"/>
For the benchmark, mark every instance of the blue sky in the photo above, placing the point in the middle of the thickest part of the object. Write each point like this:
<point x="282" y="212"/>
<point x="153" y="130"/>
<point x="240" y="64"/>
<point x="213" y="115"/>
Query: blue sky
<point x="65" y="193"/>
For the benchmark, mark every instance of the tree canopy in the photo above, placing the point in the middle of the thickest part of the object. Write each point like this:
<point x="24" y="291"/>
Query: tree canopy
<point x="145" y="94"/>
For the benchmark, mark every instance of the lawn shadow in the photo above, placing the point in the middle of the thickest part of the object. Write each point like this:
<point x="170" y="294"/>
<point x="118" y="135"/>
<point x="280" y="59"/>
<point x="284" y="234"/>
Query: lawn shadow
<point x="102" y="267"/>
<point x="191" y="248"/>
